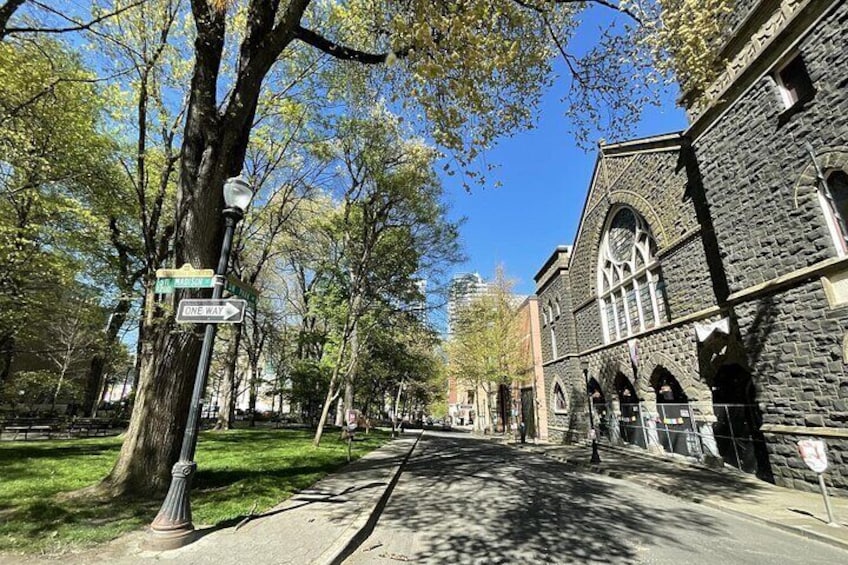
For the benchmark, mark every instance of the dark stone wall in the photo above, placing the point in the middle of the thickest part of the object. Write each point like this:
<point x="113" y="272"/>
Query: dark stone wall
<point x="794" y="345"/>
<point x="791" y="471"/>
<point x="562" y="324"/>
<point x="687" y="278"/>
<point x="568" y="426"/>
<point x="753" y="157"/>
<point x="759" y="183"/>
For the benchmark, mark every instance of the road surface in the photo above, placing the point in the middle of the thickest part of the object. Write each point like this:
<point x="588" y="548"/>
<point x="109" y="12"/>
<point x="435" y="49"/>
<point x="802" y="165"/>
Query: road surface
<point x="465" y="500"/>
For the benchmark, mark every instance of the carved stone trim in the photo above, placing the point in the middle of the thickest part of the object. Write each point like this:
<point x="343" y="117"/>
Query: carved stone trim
<point x="755" y="46"/>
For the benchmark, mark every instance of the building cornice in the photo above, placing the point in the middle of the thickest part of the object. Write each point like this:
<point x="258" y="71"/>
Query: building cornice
<point x="778" y="33"/>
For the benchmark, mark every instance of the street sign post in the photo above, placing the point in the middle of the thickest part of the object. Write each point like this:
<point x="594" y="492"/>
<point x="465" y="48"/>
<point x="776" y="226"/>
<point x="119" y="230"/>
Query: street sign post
<point x="211" y="311"/>
<point x="814" y="454"/>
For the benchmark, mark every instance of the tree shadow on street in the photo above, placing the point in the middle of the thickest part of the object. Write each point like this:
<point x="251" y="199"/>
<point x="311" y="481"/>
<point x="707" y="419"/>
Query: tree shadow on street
<point x="518" y="507"/>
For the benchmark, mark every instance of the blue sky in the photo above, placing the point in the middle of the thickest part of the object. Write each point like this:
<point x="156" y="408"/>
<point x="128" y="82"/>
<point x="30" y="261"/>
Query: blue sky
<point x="544" y="180"/>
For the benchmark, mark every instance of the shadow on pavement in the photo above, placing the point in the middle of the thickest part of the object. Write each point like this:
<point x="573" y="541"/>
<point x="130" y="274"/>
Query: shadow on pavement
<point x="523" y="496"/>
<point x="686" y="481"/>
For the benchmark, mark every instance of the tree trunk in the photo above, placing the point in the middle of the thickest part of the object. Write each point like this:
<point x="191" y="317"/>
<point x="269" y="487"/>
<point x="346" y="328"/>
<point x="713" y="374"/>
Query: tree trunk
<point x="254" y="391"/>
<point x="94" y="381"/>
<point x="226" y="405"/>
<point x="7" y="352"/>
<point x="163" y="395"/>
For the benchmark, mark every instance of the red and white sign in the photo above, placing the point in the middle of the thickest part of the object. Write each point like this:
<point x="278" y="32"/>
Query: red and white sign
<point x="813" y="453"/>
<point x="351" y="420"/>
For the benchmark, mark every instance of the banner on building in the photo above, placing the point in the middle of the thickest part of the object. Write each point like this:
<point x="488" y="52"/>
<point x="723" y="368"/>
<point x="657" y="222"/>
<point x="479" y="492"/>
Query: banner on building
<point x="704" y="331"/>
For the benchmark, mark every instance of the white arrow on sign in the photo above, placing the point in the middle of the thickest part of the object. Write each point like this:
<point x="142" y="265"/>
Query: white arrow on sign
<point x="203" y="311"/>
<point x="230" y="311"/>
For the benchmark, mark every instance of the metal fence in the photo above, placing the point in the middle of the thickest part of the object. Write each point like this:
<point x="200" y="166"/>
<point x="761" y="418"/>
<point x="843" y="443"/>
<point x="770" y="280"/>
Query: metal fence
<point x="683" y="429"/>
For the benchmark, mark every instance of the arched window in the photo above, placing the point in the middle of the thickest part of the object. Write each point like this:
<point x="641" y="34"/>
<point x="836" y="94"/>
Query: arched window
<point x="630" y="286"/>
<point x="558" y="310"/>
<point x="834" y="196"/>
<point x="559" y="400"/>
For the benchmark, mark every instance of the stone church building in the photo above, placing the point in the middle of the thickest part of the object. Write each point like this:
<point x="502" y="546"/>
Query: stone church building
<point x="703" y="305"/>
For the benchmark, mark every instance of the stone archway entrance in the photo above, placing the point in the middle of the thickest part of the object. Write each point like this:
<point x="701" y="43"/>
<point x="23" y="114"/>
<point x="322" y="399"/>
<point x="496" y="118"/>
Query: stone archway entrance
<point x="675" y="427"/>
<point x="737" y="428"/>
<point x="630" y="422"/>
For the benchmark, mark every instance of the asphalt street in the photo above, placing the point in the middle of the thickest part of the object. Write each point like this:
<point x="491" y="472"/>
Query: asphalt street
<point x="465" y="500"/>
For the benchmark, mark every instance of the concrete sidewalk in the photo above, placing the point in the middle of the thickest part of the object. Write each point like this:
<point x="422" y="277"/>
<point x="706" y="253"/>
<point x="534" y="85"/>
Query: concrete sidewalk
<point x="320" y="525"/>
<point x="729" y="490"/>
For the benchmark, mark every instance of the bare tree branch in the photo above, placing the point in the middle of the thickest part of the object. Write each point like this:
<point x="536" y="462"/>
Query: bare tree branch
<point x="345" y="53"/>
<point x="76" y="24"/>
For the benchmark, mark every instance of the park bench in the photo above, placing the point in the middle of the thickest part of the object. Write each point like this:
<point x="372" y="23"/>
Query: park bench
<point x="89" y="427"/>
<point x="37" y="427"/>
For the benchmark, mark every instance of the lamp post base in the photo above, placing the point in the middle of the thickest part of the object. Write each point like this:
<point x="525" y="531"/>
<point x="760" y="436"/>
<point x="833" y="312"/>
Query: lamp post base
<point x="157" y="540"/>
<point x="596" y="457"/>
<point x="173" y="527"/>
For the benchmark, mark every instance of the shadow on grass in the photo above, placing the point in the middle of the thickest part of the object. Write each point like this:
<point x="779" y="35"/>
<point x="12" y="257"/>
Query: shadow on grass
<point x="10" y="453"/>
<point x="40" y="510"/>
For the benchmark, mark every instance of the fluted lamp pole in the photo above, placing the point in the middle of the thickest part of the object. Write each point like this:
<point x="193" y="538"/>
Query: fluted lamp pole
<point x="172" y="527"/>
<point x="596" y="457"/>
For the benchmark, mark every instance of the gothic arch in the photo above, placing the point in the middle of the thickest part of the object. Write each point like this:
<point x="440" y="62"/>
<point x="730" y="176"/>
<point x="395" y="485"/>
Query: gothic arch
<point x="610" y="367"/>
<point x="829" y="158"/>
<point x="688" y="379"/>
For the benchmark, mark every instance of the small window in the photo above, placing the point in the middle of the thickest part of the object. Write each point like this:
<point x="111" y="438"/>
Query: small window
<point x="835" y="196"/>
<point x="794" y="82"/>
<point x="554" y="354"/>
<point x="560" y="403"/>
<point x="558" y="310"/>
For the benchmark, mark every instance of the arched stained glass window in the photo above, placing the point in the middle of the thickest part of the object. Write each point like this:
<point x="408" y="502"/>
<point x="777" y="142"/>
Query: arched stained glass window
<point x="630" y="286"/>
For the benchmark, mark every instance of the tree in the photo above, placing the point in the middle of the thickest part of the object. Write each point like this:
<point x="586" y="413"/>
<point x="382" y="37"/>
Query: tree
<point x="486" y="348"/>
<point x="53" y="161"/>
<point x="390" y="229"/>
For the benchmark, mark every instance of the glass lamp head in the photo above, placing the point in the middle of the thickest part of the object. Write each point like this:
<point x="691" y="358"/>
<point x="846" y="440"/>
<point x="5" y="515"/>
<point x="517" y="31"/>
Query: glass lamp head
<point x="237" y="193"/>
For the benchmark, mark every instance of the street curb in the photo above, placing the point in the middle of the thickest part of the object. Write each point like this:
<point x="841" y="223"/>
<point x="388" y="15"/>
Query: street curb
<point x="697" y="500"/>
<point x="363" y="524"/>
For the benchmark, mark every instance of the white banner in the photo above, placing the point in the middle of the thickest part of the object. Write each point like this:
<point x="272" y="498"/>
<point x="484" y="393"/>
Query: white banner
<point x="703" y="331"/>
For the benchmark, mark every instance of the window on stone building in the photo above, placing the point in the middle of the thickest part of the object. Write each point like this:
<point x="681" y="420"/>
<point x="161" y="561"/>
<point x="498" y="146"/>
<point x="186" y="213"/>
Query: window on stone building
<point x="794" y="82"/>
<point x="558" y="310"/>
<point x="553" y="344"/>
<point x="834" y="196"/>
<point x="560" y="402"/>
<point x="630" y="285"/>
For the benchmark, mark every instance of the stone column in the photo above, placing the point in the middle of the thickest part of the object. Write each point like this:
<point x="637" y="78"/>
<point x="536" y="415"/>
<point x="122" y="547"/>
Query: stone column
<point x="615" y="422"/>
<point x="648" y="414"/>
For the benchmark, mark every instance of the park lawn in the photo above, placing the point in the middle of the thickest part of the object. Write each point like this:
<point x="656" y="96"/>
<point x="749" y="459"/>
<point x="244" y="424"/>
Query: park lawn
<point x="236" y="470"/>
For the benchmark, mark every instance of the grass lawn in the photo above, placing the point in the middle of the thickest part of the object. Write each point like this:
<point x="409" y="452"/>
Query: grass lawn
<point x="236" y="470"/>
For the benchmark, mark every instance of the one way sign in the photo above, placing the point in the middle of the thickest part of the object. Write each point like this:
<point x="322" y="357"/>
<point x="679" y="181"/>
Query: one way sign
<point x="210" y="311"/>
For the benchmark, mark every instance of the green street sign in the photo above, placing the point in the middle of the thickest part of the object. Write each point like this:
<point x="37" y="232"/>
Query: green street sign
<point x="167" y="286"/>
<point x="241" y="289"/>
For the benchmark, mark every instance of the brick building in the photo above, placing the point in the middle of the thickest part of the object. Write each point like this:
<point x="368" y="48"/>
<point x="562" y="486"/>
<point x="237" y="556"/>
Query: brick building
<point x="704" y="302"/>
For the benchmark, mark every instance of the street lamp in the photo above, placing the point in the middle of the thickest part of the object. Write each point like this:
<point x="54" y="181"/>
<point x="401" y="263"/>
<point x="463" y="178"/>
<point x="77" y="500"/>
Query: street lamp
<point x="173" y="527"/>
<point x="596" y="457"/>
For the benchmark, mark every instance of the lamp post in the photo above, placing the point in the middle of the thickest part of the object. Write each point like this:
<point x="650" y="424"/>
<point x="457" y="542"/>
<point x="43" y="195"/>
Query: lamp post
<point x="596" y="457"/>
<point x="173" y="527"/>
